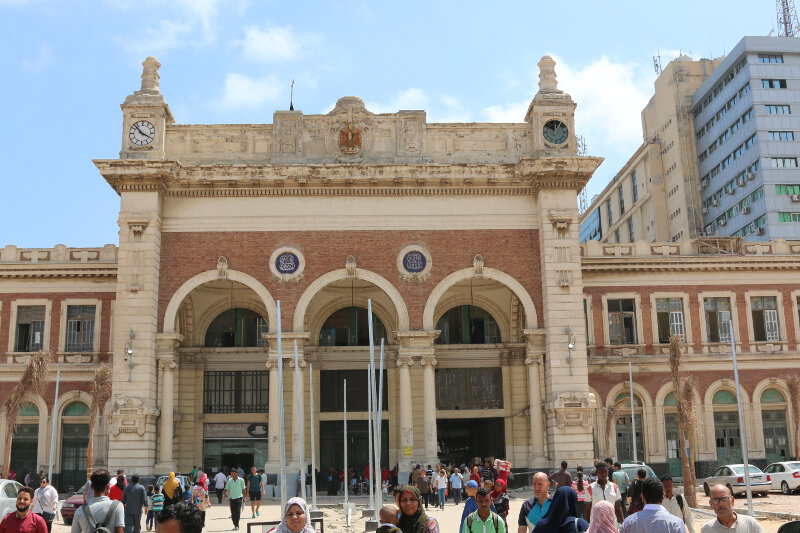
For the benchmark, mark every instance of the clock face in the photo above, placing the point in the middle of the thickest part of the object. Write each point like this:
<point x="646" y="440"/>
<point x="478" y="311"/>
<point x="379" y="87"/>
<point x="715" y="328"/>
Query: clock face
<point x="142" y="133"/>
<point x="555" y="132"/>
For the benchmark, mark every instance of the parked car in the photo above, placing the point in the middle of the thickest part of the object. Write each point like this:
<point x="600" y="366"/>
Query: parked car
<point x="69" y="506"/>
<point x="186" y="484"/>
<point x="785" y="476"/>
<point x="8" y="496"/>
<point x="632" y="469"/>
<point x="733" y="477"/>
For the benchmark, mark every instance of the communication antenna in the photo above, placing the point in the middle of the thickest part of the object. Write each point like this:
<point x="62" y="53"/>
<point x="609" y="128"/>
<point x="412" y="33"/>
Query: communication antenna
<point x="583" y="201"/>
<point x="788" y="25"/>
<point x="580" y="144"/>
<point x="291" y="98"/>
<point x="657" y="63"/>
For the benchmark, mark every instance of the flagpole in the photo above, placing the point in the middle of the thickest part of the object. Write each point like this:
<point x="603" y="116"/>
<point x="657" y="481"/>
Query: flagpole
<point x="299" y="399"/>
<point x="371" y="506"/>
<point x="371" y="402"/>
<point x="313" y="439"/>
<point x="53" y="430"/>
<point x="741" y="426"/>
<point x="633" y="414"/>
<point x="379" y="421"/>
<point x="281" y="431"/>
<point x="346" y="471"/>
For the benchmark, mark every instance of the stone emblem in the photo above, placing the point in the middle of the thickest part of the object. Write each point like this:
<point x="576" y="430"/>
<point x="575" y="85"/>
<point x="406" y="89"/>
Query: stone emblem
<point x="414" y="263"/>
<point x="287" y="264"/>
<point x="349" y="140"/>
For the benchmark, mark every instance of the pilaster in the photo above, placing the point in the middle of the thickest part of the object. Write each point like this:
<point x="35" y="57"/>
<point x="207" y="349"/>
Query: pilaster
<point x="166" y="346"/>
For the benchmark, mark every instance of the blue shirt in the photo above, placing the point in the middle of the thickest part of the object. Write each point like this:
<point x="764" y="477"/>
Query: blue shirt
<point x="532" y="511"/>
<point x="455" y="481"/>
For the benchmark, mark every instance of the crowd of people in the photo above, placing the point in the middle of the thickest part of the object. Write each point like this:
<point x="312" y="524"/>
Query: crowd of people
<point x="602" y="501"/>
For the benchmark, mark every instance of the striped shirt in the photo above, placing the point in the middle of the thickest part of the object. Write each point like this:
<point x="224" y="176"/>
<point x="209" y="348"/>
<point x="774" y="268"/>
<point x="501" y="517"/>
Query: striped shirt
<point x="158" y="502"/>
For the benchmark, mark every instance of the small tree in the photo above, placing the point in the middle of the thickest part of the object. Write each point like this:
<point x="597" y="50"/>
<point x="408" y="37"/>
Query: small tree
<point x="101" y="392"/>
<point x="682" y="389"/>
<point x="793" y="384"/>
<point x="31" y="384"/>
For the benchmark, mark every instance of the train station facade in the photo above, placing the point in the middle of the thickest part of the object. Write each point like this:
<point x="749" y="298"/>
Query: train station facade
<point x="504" y="337"/>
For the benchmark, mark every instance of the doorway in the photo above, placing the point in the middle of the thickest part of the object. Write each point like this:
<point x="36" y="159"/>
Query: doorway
<point x="726" y="433"/>
<point x="331" y="443"/>
<point x="462" y="439"/>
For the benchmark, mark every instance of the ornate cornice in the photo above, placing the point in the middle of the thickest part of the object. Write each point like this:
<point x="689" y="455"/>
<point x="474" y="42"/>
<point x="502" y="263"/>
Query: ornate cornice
<point x="690" y="264"/>
<point x="39" y="271"/>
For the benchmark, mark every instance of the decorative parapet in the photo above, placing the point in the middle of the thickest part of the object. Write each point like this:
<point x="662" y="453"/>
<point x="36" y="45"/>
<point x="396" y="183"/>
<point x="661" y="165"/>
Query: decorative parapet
<point x="58" y="254"/>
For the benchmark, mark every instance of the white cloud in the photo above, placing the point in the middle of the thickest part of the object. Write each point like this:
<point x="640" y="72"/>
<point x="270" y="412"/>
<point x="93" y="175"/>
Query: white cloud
<point x="273" y="44"/>
<point x="41" y="60"/>
<point x="512" y="112"/>
<point x="409" y="99"/>
<point x="242" y="91"/>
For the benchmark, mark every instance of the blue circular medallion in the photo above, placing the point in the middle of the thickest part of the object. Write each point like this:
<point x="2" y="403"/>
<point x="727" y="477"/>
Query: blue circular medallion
<point x="414" y="262"/>
<point x="287" y="263"/>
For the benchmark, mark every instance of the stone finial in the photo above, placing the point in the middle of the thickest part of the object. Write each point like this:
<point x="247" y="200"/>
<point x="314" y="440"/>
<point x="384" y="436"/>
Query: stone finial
<point x="150" y="75"/>
<point x="547" y="75"/>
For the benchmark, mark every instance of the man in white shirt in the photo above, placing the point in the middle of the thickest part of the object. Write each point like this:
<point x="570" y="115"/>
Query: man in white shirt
<point x="219" y="485"/>
<point x="728" y="521"/>
<point x="100" y="505"/>
<point x="676" y="503"/>
<point x="653" y="518"/>
<point x="45" y="502"/>
<point x="600" y="490"/>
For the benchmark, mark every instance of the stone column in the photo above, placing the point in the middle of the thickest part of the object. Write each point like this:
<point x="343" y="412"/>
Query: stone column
<point x="404" y="364"/>
<point x="298" y="406"/>
<point x="428" y="363"/>
<point x="166" y="344"/>
<point x="535" y="398"/>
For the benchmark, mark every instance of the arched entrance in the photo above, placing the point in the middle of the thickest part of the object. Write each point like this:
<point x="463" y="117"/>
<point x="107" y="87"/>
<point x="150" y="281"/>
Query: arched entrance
<point x="74" y="444"/>
<point x="726" y="428"/>
<point x="773" y="418"/>
<point x="624" y="428"/>
<point x="24" y="446"/>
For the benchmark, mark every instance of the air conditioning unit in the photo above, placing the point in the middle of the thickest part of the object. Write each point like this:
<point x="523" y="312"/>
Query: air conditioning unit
<point x="704" y="183"/>
<point x="701" y="233"/>
<point x="796" y="197"/>
<point x="704" y="210"/>
<point x="751" y="176"/>
<point x="715" y="203"/>
<point x="746" y="210"/>
<point x="723" y="221"/>
<point x="740" y="182"/>
<point x="759" y="231"/>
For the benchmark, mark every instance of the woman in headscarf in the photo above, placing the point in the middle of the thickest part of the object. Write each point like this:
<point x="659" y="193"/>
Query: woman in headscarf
<point x="500" y="499"/>
<point x="172" y="490"/>
<point x="296" y="519"/>
<point x="604" y="518"/>
<point x="412" y="518"/>
<point x="562" y="516"/>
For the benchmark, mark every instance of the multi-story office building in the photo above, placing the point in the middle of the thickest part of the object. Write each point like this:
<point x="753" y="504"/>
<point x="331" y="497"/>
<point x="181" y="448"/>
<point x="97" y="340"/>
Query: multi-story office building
<point x="654" y="196"/>
<point x="745" y="123"/>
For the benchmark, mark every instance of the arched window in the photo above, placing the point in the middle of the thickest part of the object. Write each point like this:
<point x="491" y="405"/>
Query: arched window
<point x="772" y="396"/>
<point x="467" y="324"/>
<point x="237" y="328"/>
<point x="669" y="400"/>
<point x="775" y="426"/>
<point x="349" y="327"/>
<point x="76" y="409"/>
<point x="724" y="397"/>
<point x="28" y="409"/>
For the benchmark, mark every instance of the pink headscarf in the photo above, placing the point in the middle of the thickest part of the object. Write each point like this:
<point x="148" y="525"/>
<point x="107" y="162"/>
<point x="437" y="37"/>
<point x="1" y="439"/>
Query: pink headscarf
<point x="604" y="519"/>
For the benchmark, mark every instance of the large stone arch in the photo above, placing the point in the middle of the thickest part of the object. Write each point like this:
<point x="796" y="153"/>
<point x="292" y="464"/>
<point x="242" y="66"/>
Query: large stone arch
<point x="211" y="275"/>
<point x="341" y="274"/>
<point x="531" y="320"/>
<point x="724" y="384"/>
<point x="58" y="411"/>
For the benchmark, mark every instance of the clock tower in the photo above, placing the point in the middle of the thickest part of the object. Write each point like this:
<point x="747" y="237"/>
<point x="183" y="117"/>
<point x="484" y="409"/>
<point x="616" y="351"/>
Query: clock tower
<point x="146" y="116"/>
<point x="551" y="115"/>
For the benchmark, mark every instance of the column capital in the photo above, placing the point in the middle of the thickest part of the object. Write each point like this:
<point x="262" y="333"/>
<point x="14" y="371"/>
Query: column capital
<point x="272" y="363"/>
<point x="405" y="361"/>
<point x="428" y="360"/>
<point x="534" y="359"/>
<point x="167" y="364"/>
<point x="300" y="360"/>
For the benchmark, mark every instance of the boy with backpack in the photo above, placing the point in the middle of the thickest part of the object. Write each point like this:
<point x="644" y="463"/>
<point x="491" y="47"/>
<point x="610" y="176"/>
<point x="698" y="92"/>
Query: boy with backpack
<point x="484" y="520"/>
<point x="100" y="514"/>
<point x="676" y="503"/>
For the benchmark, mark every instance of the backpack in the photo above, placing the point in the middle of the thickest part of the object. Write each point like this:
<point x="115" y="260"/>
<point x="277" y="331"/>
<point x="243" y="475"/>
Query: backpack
<point x="495" y="519"/>
<point x="102" y="527"/>
<point x="680" y="501"/>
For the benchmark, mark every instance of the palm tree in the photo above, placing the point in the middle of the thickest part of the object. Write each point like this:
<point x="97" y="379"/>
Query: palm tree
<point x="682" y="389"/>
<point x="101" y="392"/>
<point x="793" y="384"/>
<point x="31" y="384"/>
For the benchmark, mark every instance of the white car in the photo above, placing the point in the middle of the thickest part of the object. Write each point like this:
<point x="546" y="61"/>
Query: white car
<point x="733" y="477"/>
<point x="784" y="476"/>
<point x="8" y="496"/>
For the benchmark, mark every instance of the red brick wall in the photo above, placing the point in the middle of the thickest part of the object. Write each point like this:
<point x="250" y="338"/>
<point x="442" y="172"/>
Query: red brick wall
<point x="184" y="255"/>
<point x="7" y="329"/>
<point x="49" y="391"/>
<point x="694" y="309"/>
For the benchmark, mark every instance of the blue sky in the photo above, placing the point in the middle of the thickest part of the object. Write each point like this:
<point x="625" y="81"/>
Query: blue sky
<point x="67" y="66"/>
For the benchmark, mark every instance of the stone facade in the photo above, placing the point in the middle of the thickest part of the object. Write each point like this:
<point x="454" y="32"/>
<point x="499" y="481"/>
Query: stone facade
<point x="462" y="237"/>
